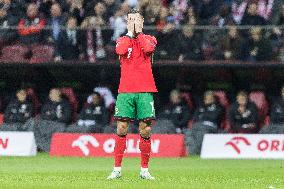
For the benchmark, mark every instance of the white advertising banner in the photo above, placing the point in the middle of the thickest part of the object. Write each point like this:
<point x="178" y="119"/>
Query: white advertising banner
<point x="242" y="146"/>
<point x="17" y="144"/>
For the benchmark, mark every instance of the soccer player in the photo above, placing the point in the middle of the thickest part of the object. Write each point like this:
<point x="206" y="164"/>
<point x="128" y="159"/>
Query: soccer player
<point x="137" y="85"/>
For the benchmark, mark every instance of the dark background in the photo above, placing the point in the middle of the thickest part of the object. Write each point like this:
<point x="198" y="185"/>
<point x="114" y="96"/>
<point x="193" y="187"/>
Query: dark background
<point x="194" y="77"/>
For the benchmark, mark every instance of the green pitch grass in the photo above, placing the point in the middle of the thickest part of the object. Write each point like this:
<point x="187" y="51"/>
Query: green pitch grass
<point x="45" y="172"/>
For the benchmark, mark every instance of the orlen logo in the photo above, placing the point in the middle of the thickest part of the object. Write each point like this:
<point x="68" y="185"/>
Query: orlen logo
<point x="83" y="141"/>
<point x="4" y="143"/>
<point x="236" y="141"/>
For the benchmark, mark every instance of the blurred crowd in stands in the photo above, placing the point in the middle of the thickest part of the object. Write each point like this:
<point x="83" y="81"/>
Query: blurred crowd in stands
<point x="72" y="30"/>
<point x="212" y="113"/>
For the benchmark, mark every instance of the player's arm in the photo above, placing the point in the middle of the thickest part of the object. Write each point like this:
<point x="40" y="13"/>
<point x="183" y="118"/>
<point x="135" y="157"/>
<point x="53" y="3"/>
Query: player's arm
<point x="122" y="45"/>
<point x="148" y="43"/>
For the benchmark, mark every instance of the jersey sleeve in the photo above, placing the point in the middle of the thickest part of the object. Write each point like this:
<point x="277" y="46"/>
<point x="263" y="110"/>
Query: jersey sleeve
<point x="122" y="45"/>
<point x="147" y="42"/>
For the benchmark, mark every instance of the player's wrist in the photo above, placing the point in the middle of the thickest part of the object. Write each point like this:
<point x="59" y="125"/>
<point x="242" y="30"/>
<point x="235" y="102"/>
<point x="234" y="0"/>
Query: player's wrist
<point x="138" y="33"/>
<point x="130" y="34"/>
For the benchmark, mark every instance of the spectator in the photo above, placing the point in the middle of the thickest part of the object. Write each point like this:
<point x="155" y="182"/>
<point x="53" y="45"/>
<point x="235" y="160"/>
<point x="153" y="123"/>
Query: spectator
<point x="20" y="109"/>
<point x="93" y="38"/>
<point x="259" y="48"/>
<point x="223" y="18"/>
<point x="276" y="125"/>
<point x="55" y="115"/>
<point x="232" y="45"/>
<point x="206" y="119"/>
<point x="280" y="21"/>
<point x="15" y="8"/>
<point x="167" y="39"/>
<point x="118" y="21"/>
<point x="179" y="7"/>
<point x="44" y="8"/>
<point x="243" y="115"/>
<point x="31" y="28"/>
<point x="277" y="110"/>
<point x="275" y="37"/>
<point x="251" y="17"/>
<point x="88" y="34"/>
<point x="7" y="20"/>
<point x="55" y="23"/>
<point x="150" y="10"/>
<point x="177" y="111"/>
<point x="190" y="18"/>
<point x="265" y="7"/>
<point x="207" y="10"/>
<point x="106" y="94"/>
<point x="190" y="44"/>
<point x="238" y="10"/>
<point x="100" y="10"/>
<point x="111" y="7"/>
<point x="67" y="45"/>
<point x="56" y="108"/>
<point x="163" y="18"/>
<point x="210" y="43"/>
<point x="93" y="117"/>
<point x="76" y="10"/>
<point x="97" y="22"/>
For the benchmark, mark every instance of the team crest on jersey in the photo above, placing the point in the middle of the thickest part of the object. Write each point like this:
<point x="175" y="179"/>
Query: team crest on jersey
<point x="116" y="111"/>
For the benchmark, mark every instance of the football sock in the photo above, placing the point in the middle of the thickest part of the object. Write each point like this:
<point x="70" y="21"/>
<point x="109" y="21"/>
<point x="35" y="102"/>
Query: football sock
<point x="120" y="146"/>
<point x="145" y="148"/>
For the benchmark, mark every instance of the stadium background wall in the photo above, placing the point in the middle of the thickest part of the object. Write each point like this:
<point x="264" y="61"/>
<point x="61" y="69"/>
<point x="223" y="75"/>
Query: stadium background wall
<point x="188" y="76"/>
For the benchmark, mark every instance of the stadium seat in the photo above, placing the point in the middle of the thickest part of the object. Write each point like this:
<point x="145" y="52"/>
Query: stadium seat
<point x="267" y="120"/>
<point x="222" y="98"/>
<point x="34" y="99"/>
<point x="1" y="119"/>
<point x="14" y="53"/>
<point x="224" y="101"/>
<point x="188" y="99"/>
<point x="70" y="95"/>
<point x="42" y="53"/>
<point x="258" y="97"/>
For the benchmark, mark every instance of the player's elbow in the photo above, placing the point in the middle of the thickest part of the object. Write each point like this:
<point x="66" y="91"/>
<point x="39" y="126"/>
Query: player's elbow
<point x="149" y="49"/>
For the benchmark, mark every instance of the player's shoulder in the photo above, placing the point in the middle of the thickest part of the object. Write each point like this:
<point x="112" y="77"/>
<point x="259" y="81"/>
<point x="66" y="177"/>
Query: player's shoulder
<point x="148" y="35"/>
<point x="122" y="38"/>
<point x="151" y="38"/>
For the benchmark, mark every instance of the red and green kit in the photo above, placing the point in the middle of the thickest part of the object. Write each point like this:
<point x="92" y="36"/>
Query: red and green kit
<point x="137" y="84"/>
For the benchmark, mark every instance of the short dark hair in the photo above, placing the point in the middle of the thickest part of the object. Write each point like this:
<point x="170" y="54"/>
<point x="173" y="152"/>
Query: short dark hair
<point x="96" y="93"/>
<point x="242" y="93"/>
<point x="71" y="18"/>
<point x="134" y="11"/>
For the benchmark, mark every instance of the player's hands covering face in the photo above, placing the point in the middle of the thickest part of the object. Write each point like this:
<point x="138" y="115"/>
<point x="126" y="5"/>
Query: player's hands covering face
<point x="139" y="21"/>
<point x="130" y="23"/>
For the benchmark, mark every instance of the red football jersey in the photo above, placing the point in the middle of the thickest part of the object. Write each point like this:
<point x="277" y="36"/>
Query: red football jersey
<point x="135" y="56"/>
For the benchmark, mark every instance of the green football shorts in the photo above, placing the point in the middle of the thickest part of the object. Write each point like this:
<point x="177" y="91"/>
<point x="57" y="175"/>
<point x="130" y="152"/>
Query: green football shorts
<point x="131" y="106"/>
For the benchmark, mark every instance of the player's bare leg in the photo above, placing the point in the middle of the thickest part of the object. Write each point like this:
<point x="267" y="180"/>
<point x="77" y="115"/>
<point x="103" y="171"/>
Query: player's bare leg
<point x="120" y="146"/>
<point x="145" y="148"/>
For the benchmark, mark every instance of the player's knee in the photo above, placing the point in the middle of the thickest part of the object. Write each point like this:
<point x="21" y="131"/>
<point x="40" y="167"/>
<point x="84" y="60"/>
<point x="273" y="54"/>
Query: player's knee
<point x="122" y="128"/>
<point x="145" y="132"/>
